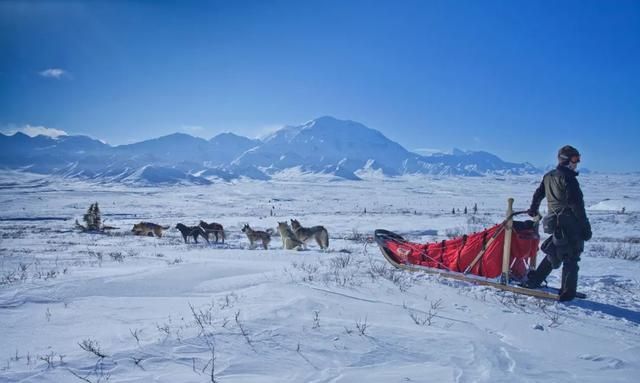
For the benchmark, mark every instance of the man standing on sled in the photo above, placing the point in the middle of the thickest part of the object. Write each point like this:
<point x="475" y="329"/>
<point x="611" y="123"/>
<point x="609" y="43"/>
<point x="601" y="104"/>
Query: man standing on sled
<point x="566" y="220"/>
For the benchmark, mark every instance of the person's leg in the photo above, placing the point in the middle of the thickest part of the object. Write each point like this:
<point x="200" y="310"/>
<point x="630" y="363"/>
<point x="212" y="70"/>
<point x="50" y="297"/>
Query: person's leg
<point x="569" y="278"/>
<point x="535" y="277"/>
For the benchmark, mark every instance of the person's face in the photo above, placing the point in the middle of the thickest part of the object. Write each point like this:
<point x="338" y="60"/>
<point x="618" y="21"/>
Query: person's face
<point x="573" y="162"/>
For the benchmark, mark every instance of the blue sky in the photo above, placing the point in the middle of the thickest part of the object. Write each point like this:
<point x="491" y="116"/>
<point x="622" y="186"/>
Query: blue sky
<point x="515" y="78"/>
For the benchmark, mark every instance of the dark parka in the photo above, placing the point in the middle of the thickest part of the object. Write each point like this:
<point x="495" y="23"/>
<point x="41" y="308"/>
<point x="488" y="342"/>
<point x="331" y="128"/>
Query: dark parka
<point x="564" y="198"/>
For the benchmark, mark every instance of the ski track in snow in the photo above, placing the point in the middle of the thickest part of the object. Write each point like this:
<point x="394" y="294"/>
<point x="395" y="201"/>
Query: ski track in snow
<point x="340" y="315"/>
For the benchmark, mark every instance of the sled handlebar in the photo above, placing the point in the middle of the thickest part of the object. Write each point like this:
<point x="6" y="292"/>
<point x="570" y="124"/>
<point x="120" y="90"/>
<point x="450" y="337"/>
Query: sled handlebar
<point x="536" y="219"/>
<point x="518" y="213"/>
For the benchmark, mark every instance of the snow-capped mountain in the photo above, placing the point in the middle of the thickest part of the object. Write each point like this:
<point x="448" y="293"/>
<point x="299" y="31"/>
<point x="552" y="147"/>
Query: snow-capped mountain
<point x="340" y="148"/>
<point x="43" y="154"/>
<point x="226" y="147"/>
<point x="347" y="148"/>
<point x="469" y="163"/>
<point x="327" y="145"/>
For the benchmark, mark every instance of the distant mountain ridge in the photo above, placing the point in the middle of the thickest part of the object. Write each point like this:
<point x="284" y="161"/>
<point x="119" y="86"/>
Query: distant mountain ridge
<point x="339" y="148"/>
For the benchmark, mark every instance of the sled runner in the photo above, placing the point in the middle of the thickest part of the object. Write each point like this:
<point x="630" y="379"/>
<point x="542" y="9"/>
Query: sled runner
<point x="497" y="256"/>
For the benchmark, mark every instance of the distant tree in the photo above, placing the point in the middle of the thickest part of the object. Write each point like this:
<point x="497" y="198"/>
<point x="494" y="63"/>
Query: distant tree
<point x="475" y="208"/>
<point x="453" y="211"/>
<point x="465" y="210"/>
<point x="93" y="220"/>
<point x="92" y="217"/>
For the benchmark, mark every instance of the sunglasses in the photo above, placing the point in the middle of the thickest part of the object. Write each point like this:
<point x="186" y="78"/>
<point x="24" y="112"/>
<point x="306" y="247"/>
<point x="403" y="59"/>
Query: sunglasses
<point x="575" y="159"/>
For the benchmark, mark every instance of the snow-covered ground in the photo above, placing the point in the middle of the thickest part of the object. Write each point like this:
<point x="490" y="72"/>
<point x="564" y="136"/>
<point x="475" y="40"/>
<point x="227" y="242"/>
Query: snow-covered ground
<point x="88" y="307"/>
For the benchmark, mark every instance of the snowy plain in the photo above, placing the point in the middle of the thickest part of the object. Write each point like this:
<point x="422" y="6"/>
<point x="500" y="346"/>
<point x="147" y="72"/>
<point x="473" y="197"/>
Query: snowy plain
<point x="157" y="309"/>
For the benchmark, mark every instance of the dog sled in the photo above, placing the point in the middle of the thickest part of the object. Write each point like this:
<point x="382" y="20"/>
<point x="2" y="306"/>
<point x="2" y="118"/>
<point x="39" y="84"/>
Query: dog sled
<point x="499" y="256"/>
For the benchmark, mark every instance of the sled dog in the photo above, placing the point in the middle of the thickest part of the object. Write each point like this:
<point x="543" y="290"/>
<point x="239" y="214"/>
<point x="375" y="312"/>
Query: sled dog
<point x="257" y="235"/>
<point x="192" y="231"/>
<point x="319" y="233"/>
<point x="148" y="229"/>
<point x="214" y="228"/>
<point x="289" y="239"/>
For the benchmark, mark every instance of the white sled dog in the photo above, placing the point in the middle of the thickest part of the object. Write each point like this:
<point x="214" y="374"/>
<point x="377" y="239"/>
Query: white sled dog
<point x="319" y="233"/>
<point x="257" y="235"/>
<point x="289" y="239"/>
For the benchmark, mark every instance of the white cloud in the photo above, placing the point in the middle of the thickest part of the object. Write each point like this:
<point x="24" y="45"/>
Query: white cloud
<point x="56" y="73"/>
<point x="33" y="131"/>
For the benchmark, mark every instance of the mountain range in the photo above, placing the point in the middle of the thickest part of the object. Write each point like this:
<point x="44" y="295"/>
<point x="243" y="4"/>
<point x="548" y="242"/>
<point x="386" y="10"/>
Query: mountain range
<point x="339" y="148"/>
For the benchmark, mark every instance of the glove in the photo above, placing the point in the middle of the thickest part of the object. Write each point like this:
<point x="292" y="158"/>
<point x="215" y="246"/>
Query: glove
<point x="532" y="212"/>
<point x="586" y="232"/>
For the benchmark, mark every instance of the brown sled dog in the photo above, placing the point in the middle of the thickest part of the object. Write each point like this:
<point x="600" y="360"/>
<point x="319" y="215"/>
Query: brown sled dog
<point x="148" y="229"/>
<point x="214" y="228"/>
<point x="192" y="231"/>
<point x="257" y="235"/>
<point x="319" y="233"/>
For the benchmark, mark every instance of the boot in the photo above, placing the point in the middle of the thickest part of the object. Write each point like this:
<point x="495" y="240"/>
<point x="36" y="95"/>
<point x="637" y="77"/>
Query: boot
<point x="569" y="280"/>
<point x="535" y="277"/>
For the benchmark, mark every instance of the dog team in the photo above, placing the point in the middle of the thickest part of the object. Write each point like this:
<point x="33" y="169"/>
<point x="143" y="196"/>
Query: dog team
<point x="295" y="236"/>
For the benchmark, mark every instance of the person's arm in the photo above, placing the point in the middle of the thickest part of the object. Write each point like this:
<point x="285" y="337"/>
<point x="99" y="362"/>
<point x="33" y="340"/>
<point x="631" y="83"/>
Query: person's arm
<point x="538" y="195"/>
<point x="575" y="199"/>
